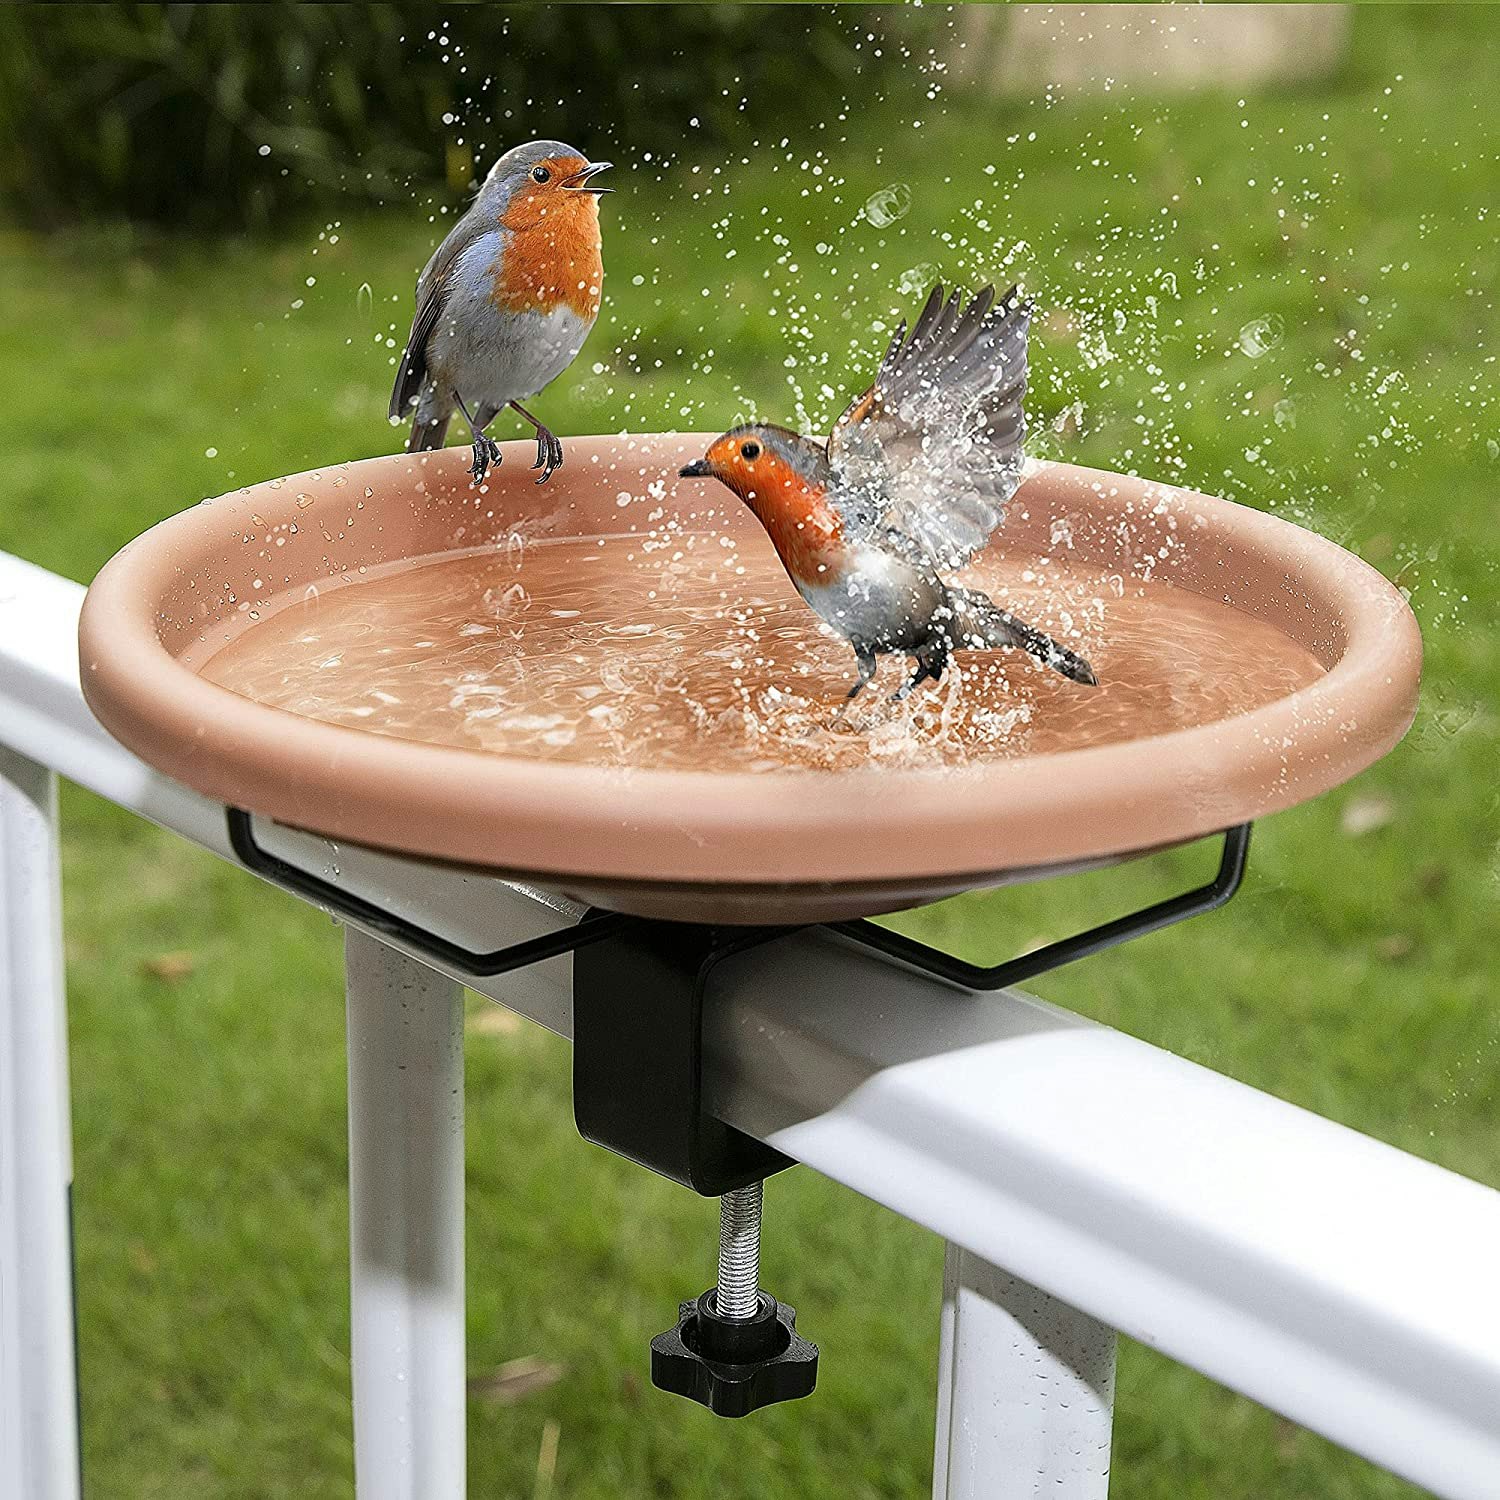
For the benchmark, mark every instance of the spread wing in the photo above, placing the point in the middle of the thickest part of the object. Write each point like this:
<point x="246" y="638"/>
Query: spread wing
<point x="432" y="293"/>
<point x="925" y="460"/>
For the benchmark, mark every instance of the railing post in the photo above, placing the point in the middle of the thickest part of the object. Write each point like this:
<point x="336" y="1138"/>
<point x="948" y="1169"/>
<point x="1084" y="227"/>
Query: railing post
<point x="1025" y="1391"/>
<point x="406" y="1224"/>
<point x="38" y="1358"/>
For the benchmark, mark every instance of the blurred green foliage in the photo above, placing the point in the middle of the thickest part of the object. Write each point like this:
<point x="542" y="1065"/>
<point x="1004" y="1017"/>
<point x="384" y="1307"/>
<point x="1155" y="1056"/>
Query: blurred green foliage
<point x="212" y="116"/>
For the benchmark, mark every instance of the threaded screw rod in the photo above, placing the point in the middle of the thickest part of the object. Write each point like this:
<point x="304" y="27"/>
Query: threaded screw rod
<point x="738" y="1291"/>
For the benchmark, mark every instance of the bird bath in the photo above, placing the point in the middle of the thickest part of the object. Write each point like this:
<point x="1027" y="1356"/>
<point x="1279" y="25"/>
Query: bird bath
<point x="608" y="688"/>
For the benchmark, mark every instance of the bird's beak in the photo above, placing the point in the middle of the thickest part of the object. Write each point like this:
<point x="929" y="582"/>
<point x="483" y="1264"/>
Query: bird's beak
<point x="698" y="469"/>
<point x="579" y="181"/>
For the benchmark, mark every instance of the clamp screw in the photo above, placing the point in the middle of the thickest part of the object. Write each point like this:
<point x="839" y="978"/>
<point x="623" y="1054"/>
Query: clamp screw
<point x="736" y="1348"/>
<point x="738" y="1291"/>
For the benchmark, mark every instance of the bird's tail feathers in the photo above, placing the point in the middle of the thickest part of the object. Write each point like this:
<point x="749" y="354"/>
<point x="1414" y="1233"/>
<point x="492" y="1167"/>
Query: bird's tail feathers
<point x="979" y="622"/>
<point x="427" y="435"/>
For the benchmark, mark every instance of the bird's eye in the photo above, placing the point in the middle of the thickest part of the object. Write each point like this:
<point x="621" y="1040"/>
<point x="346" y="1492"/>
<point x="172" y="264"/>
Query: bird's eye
<point x="540" y="174"/>
<point x="750" y="451"/>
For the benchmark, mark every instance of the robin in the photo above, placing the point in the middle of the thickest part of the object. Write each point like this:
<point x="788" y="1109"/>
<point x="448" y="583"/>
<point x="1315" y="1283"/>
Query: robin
<point x="909" y="487"/>
<point x="506" y="301"/>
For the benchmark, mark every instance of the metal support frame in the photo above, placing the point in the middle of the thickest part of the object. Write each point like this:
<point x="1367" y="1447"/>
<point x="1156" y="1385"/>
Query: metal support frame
<point x="406" y="1224"/>
<point x="606" y="924"/>
<point x="1205" y="898"/>
<point x="1025" y="1390"/>
<point x="38" y="1361"/>
<point x="405" y="930"/>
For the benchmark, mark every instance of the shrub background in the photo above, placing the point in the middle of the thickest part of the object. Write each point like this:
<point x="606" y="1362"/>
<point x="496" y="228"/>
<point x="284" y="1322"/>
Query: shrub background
<point x="158" y="113"/>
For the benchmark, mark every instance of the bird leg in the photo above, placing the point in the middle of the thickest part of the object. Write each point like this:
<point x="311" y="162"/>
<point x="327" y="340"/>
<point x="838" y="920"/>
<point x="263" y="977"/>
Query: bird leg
<point x="486" y="449"/>
<point x="903" y="692"/>
<point x="867" y="666"/>
<point x="549" y="451"/>
<point x="927" y="666"/>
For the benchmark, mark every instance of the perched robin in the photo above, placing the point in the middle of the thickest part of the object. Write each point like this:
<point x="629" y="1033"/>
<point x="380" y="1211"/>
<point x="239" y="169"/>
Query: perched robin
<point x="506" y="301"/>
<point x="909" y="487"/>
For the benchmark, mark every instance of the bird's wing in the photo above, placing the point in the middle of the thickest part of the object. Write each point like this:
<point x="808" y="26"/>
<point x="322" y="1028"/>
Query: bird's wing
<point x="927" y="457"/>
<point x="432" y="294"/>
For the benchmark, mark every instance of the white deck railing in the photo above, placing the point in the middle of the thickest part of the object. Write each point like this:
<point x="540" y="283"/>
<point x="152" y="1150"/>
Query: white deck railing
<point x="1343" y="1283"/>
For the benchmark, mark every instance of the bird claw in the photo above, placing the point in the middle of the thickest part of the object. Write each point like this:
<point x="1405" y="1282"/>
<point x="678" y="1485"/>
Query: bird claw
<point x="549" y="453"/>
<point x="486" y="453"/>
<point x="913" y="682"/>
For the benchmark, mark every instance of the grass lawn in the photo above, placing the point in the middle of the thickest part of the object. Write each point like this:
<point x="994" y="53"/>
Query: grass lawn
<point x="1289" y="300"/>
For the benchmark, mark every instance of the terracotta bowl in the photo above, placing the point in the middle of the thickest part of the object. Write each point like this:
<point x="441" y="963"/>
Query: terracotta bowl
<point x="708" y="846"/>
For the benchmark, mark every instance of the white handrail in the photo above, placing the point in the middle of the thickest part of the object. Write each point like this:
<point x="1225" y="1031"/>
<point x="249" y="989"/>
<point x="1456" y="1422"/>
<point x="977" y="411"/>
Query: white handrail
<point x="1337" y="1280"/>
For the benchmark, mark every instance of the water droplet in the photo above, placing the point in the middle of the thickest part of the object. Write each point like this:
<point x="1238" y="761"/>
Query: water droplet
<point x="888" y="205"/>
<point x="1261" y="336"/>
<point x="917" y="280"/>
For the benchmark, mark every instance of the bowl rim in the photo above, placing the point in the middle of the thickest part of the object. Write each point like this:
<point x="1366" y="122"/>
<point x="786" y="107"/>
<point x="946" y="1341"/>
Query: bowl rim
<point x="792" y="826"/>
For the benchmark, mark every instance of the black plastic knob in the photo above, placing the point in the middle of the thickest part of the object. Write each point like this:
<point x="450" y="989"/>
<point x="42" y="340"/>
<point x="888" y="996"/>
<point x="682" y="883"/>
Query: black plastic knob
<point x="734" y="1366"/>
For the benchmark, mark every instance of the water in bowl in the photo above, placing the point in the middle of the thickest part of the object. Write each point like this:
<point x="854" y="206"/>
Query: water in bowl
<point x="691" y="654"/>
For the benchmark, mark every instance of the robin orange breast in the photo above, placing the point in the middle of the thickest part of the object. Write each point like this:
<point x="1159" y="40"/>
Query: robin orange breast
<point x="506" y="301"/>
<point x="909" y="487"/>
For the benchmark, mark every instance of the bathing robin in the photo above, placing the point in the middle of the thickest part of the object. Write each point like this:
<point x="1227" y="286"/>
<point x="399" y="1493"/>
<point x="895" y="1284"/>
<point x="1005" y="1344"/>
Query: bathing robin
<point x="506" y="301"/>
<point x="908" y="488"/>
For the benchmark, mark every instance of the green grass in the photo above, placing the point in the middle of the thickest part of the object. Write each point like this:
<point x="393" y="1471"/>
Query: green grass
<point x="1349" y="977"/>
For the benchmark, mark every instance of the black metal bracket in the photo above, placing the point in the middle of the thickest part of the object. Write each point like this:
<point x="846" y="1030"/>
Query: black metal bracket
<point x="413" y="935"/>
<point x="638" y="1054"/>
<point x="638" y="988"/>
<point x="1026" y="966"/>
